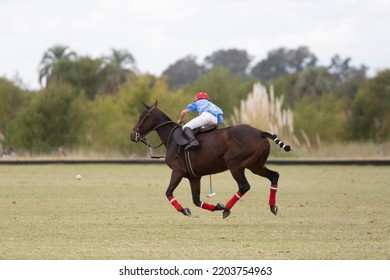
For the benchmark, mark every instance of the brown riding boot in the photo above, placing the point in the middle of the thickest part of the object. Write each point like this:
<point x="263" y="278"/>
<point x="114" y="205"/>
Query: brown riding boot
<point x="192" y="142"/>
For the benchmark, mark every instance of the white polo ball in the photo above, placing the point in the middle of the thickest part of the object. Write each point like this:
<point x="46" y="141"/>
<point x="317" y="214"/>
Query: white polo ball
<point x="78" y="177"/>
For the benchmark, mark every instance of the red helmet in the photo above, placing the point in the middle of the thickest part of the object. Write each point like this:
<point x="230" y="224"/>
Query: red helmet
<point x="201" y="95"/>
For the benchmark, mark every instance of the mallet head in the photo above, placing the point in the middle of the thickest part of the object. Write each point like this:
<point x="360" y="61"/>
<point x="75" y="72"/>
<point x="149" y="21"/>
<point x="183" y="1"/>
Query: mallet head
<point x="211" y="194"/>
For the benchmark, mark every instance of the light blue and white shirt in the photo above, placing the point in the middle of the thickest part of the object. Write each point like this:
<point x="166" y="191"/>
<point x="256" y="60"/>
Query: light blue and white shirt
<point x="203" y="105"/>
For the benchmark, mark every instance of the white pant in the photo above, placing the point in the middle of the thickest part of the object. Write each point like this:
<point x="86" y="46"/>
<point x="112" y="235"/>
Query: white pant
<point x="205" y="118"/>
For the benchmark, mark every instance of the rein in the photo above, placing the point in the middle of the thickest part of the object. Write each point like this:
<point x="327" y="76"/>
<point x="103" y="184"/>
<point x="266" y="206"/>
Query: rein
<point x="157" y="126"/>
<point x="150" y="147"/>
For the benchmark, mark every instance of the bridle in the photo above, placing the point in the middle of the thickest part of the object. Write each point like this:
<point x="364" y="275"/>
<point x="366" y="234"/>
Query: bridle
<point x="139" y="137"/>
<point x="137" y="134"/>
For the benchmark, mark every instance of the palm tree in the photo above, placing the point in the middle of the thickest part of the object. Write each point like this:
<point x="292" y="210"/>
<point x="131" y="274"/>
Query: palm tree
<point x="119" y="66"/>
<point x="50" y="58"/>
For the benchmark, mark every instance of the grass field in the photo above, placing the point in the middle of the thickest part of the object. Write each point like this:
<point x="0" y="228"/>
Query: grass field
<point x="121" y="212"/>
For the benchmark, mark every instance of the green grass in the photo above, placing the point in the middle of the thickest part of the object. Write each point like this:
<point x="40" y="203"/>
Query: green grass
<point x="121" y="212"/>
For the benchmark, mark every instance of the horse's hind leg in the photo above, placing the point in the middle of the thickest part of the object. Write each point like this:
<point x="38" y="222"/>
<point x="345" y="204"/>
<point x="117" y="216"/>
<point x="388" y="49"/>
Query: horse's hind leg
<point x="243" y="187"/>
<point x="273" y="176"/>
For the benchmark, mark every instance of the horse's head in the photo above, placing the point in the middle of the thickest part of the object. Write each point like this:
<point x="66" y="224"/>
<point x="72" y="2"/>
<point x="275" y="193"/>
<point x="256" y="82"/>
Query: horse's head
<point x="144" y="124"/>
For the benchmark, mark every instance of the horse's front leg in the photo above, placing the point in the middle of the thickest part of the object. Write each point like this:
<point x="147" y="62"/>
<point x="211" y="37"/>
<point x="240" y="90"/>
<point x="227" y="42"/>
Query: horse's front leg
<point x="195" y="190"/>
<point x="175" y="181"/>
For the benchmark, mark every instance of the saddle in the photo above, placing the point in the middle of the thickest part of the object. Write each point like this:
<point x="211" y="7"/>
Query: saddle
<point x="181" y="140"/>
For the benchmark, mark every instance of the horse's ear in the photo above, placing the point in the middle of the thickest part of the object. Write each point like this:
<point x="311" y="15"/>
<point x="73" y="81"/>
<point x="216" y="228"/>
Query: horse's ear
<point x="155" y="103"/>
<point x="146" y="106"/>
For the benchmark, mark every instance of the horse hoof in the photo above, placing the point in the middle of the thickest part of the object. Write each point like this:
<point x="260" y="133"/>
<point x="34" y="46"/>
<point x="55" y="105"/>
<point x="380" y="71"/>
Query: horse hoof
<point x="186" y="212"/>
<point x="219" y="207"/>
<point x="226" y="213"/>
<point x="274" y="209"/>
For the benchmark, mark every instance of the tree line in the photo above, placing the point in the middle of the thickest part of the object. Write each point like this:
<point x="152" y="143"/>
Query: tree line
<point x="89" y="105"/>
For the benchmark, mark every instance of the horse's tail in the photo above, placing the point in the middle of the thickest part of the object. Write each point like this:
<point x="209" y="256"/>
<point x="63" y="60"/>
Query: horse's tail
<point x="278" y="142"/>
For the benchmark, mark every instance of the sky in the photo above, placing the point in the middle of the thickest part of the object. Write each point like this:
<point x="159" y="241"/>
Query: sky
<point x="160" y="32"/>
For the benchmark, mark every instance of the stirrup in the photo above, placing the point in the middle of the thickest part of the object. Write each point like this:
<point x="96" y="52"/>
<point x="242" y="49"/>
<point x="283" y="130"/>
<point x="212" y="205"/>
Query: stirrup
<point x="192" y="146"/>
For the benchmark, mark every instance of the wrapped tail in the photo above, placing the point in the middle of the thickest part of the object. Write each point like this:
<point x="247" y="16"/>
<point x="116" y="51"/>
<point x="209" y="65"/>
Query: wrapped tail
<point x="279" y="142"/>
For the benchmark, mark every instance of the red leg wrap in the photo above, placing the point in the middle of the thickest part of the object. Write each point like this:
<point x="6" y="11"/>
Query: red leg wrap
<point x="272" y="194"/>
<point x="233" y="200"/>
<point x="206" y="206"/>
<point x="175" y="203"/>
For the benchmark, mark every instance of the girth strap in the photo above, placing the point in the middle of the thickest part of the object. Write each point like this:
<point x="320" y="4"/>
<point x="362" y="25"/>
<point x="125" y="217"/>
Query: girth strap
<point x="188" y="164"/>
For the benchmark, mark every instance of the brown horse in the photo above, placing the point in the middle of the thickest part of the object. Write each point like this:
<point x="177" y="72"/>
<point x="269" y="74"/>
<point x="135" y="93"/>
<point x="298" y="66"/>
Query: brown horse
<point x="235" y="148"/>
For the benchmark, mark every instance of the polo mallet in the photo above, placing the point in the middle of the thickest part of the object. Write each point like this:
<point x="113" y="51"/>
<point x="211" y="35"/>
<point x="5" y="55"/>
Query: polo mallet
<point x="211" y="194"/>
